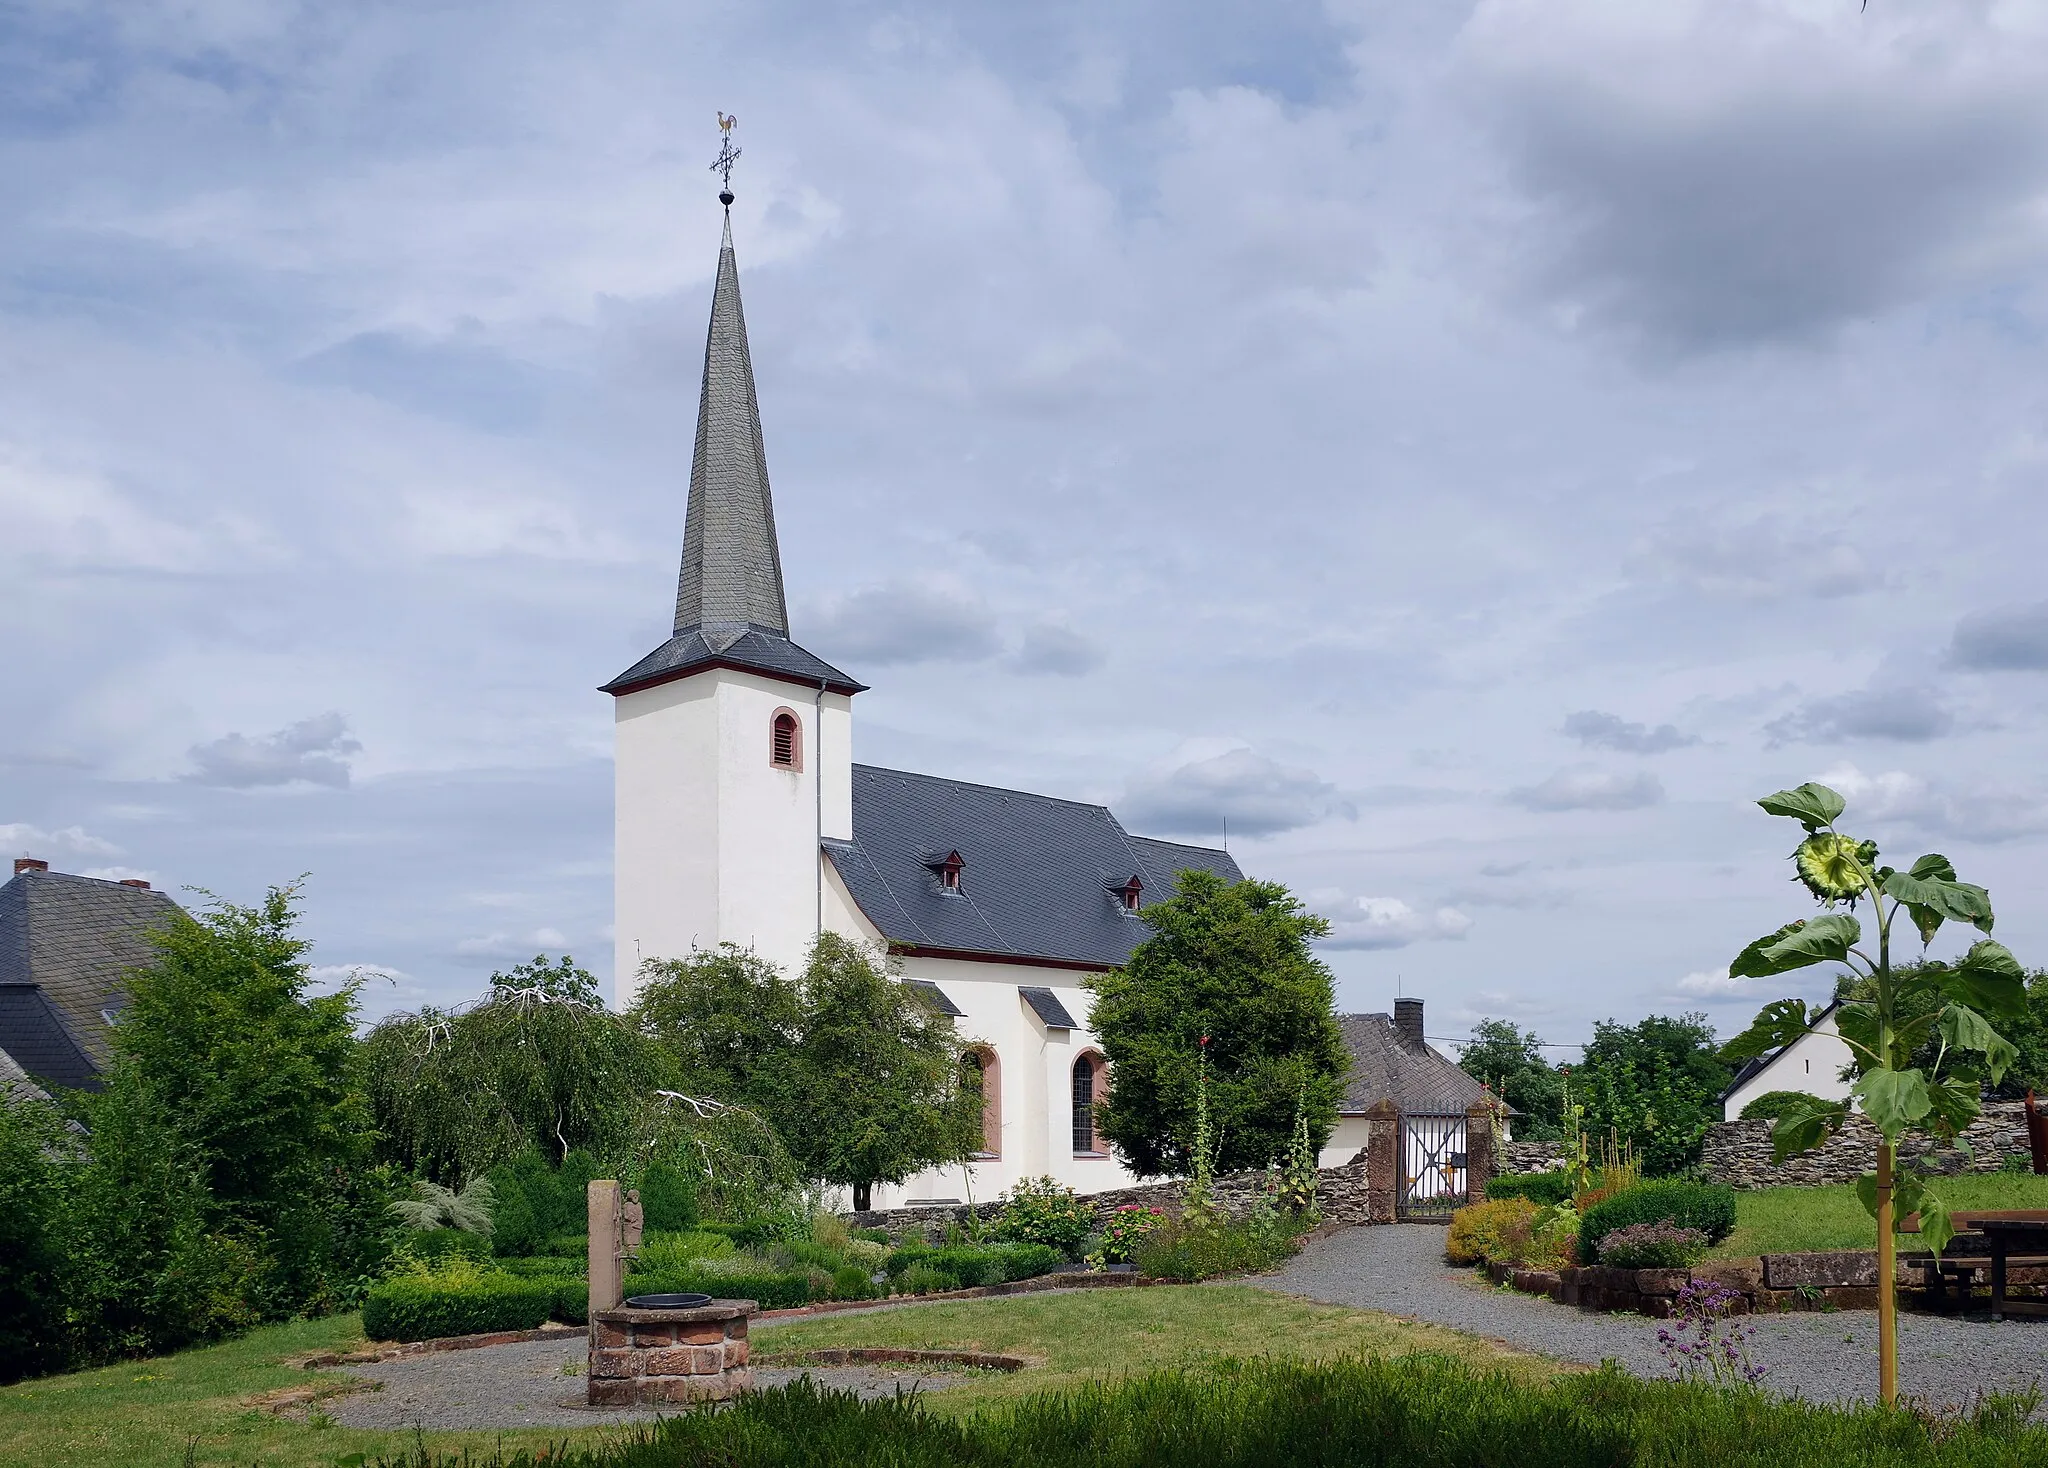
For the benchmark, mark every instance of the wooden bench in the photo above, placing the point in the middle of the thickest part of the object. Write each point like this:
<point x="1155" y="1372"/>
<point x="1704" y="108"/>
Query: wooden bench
<point x="1967" y="1256"/>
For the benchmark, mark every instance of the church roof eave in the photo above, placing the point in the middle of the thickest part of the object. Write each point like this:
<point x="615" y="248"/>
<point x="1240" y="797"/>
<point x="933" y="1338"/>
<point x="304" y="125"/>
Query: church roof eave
<point x="765" y="654"/>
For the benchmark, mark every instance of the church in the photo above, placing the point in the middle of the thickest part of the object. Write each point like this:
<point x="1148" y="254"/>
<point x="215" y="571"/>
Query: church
<point x="742" y="817"/>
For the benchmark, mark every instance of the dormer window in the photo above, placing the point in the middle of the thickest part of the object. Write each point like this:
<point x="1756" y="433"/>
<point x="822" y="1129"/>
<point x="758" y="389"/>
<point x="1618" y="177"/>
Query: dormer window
<point x="786" y="741"/>
<point x="1130" y="893"/>
<point x="947" y="869"/>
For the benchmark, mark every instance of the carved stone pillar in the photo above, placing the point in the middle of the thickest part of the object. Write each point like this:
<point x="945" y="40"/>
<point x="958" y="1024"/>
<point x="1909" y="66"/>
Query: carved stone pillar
<point x="1382" y="1162"/>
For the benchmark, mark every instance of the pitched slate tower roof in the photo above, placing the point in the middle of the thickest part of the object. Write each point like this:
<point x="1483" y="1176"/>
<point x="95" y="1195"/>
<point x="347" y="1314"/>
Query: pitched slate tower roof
<point x="730" y="610"/>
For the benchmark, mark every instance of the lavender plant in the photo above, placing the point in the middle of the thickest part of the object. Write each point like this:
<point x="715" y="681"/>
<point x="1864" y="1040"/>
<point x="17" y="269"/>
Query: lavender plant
<point x="1701" y="1343"/>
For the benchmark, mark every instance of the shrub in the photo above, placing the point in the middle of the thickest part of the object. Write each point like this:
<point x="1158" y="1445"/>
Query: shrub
<point x="1546" y="1189"/>
<point x="750" y="1235"/>
<point x="1125" y="1229"/>
<point x="1653" y="1246"/>
<point x="769" y="1291"/>
<point x="435" y="1244"/>
<point x="1708" y="1207"/>
<point x="1493" y="1232"/>
<point x="1026" y="1261"/>
<point x="866" y="1252"/>
<point x="1039" y="1210"/>
<point x="851" y="1282"/>
<point x="1177" y="1251"/>
<point x="677" y="1253"/>
<point x="924" y="1278"/>
<point x="544" y="1267"/>
<point x="668" y="1198"/>
<point x="874" y="1236"/>
<point x="418" y="1308"/>
<point x="569" y="1300"/>
<point x="1774" y="1104"/>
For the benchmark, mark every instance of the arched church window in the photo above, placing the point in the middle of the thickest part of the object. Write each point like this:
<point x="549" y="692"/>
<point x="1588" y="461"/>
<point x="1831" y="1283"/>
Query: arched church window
<point x="982" y="1073"/>
<point x="1087" y="1083"/>
<point x="786" y="741"/>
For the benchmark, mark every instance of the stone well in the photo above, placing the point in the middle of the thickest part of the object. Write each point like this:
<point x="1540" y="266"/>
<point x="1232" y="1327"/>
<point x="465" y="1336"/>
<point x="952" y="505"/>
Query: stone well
<point x="650" y="1357"/>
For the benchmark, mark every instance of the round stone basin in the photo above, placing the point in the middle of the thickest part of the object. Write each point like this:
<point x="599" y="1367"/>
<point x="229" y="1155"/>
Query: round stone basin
<point x="668" y="1302"/>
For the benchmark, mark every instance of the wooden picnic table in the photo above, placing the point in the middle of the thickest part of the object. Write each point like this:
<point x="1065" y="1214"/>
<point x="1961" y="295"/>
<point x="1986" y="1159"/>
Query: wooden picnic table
<point x="2007" y="1236"/>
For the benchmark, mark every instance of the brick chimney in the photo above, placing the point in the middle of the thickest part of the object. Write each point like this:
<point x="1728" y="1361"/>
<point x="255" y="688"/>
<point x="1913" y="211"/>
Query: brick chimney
<point x="1408" y="1022"/>
<point x="29" y="864"/>
<point x="135" y="882"/>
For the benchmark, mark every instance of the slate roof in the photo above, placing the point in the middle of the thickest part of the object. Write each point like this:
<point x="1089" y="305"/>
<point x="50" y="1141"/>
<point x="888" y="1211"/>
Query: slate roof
<point x="1384" y="1067"/>
<point x="751" y="648"/>
<point x="1040" y="875"/>
<point x="1046" y="1005"/>
<point x="75" y="939"/>
<point x="38" y="1040"/>
<point x="933" y="995"/>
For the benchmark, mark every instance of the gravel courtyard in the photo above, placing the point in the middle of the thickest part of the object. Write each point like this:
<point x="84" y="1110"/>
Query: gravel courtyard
<point x="1824" y="1357"/>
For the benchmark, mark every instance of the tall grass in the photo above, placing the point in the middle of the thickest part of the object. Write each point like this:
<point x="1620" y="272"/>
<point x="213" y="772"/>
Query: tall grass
<point x="1361" y="1413"/>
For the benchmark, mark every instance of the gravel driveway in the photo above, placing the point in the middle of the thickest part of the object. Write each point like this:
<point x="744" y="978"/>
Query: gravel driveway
<point x="1824" y="1357"/>
<point x="526" y="1385"/>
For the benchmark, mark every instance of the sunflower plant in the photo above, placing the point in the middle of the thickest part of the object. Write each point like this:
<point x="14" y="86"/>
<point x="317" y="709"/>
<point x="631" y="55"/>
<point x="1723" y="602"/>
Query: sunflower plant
<point x="1953" y="1006"/>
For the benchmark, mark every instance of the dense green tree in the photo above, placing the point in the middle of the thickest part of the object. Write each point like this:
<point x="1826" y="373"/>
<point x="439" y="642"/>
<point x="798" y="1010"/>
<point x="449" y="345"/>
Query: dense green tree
<point x="877" y="1093"/>
<point x="537" y="1062"/>
<point x="1230" y="962"/>
<point x="1655" y="1084"/>
<point x="1510" y="1060"/>
<point x="730" y="1020"/>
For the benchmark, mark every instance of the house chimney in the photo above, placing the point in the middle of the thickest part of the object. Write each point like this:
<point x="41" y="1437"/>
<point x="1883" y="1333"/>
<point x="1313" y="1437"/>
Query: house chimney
<point x="135" y="882"/>
<point x="1408" y="1022"/>
<point x="29" y="864"/>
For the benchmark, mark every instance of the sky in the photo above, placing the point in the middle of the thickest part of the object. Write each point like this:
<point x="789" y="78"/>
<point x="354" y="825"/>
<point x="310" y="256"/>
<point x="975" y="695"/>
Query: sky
<point x="1467" y="451"/>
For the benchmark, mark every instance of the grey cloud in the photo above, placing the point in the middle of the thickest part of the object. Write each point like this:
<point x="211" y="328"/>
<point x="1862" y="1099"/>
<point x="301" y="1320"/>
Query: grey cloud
<point x="1598" y="730"/>
<point x="1762" y="558"/>
<point x="1909" y="713"/>
<point x="313" y="751"/>
<point x="904" y="621"/>
<point x="1372" y="923"/>
<point x="1240" y="791"/>
<point x="1050" y="648"/>
<point x="1589" y="789"/>
<point x="2008" y="638"/>
<point x="1987" y="811"/>
<point x="30" y="840"/>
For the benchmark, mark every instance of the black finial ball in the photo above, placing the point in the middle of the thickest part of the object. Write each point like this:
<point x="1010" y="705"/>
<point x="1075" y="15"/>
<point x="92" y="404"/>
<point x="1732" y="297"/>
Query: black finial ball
<point x="725" y="197"/>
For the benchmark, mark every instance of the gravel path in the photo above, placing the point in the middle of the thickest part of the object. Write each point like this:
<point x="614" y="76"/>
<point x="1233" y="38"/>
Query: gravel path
<point x="526" y="1385"/>
<point x="1824" y="1357"/>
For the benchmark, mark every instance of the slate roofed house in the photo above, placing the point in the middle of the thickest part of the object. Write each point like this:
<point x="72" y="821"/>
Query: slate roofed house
<point x="67" y="944"/>
<point x="1392" y="1061"/>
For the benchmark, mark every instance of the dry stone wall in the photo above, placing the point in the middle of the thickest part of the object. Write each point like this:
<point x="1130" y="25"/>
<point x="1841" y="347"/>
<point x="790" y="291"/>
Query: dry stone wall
<point x="1739" y="1152"/>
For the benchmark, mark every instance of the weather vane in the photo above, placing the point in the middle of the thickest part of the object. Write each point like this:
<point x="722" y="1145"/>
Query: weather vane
<point x="727" y="156"/>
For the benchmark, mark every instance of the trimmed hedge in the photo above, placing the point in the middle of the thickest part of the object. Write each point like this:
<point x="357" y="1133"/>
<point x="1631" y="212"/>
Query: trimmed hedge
<point x="1545" y="1189"/>
<point x="769" y="1291"/>
<point x="411" y="1309"/>
<point x="544" y="1267"/>
<point x="439" y="1243"/>
<point x="974" y="1267"/>
<point x="1708" y="1207"/>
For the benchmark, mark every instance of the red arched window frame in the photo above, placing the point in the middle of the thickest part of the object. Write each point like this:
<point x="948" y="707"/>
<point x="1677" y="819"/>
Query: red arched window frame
<point x="1088" y="1073"/>
<point x="984" y="1059"/>
<point x="786" y="740"/>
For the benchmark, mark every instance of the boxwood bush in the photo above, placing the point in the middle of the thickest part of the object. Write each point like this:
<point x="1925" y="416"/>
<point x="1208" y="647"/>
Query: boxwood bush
<point x="420" y="1309"/>
<point x="1708" y="1207"/>
<point x="544" y="1267"/>
<point x="1545" y="1189"/>
<point x="769" y="1291"/>
<point x="973" y="1267"/>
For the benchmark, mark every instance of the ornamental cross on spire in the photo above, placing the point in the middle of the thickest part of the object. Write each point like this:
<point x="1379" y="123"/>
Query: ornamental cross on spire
<point x="727" y="156"/>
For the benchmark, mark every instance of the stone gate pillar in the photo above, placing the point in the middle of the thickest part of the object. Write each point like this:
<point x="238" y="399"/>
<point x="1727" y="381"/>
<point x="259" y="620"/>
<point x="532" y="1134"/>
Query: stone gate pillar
<point x="1480" y="1163"/>
<point x="1382" y="1162"/>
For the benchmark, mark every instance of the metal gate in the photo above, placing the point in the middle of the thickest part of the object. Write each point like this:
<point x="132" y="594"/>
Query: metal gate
<point x="1433" y="1177"/>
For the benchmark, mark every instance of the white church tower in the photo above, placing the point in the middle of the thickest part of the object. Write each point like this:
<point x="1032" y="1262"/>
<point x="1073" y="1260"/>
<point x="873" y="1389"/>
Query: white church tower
<point x="734" y="746"/>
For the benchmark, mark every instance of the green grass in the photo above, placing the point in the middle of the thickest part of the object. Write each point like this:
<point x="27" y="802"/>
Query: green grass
<point x="1797" y="1220"/>
<point x="1106" y="1333"/>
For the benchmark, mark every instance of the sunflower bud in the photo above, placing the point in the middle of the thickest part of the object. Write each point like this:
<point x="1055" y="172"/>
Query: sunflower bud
<point x="1831" y="866"/>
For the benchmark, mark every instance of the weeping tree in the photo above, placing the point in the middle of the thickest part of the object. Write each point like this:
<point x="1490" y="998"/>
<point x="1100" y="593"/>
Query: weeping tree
<point x="1921" y="1035"/>
<point x="536" y="1062"/>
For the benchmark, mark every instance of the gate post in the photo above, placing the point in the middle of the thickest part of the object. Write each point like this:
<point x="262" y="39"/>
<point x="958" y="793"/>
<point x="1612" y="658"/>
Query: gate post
<point x="1480" y="1162"/>
<point x="1382" y="1162"/>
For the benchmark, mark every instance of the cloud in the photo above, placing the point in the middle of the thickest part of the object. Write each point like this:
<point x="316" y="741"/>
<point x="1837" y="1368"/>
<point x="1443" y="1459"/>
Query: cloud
<point x="1988" y="813"/>
<point x="1240" y="791"/>
<point x="2008" y="638"/>
<point x="904" y="621"/>
<point x="313" y="751"/>
<point x="1909" y="713"/>
<point x="1583" y="788"/>
<point x="119" y="874"/>
<point x="1596" y="730"/>
<point x="508" y="945"/>
<point x="1714" y="984"/>
<point x="1050" y="648"/>
<point x="28" y="840"/>
<point x="1388" y="922"/>
<point x="1760" y="559"/>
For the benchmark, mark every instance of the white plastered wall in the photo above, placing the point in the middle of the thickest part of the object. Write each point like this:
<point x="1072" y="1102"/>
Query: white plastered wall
<point x="1812" y="1063"/>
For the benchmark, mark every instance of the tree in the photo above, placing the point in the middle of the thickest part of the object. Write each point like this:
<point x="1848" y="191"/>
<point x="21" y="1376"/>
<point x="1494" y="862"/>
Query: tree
<point x="877" y="1091"/>
<point x="257" y="1078"/>
<point x="1656" y="1084"/>
<point x="729" y="1020"/>
<point x="1511" y="1061"/>
<point x="537" y="1062"/>
<point x="1907" y="1006"/>
<point x="1229" y="961"/>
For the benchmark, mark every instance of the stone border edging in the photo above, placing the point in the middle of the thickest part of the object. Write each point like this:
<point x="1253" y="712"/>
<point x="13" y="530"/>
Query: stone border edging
<point x="1840" y="1279"/>
<point x="889" y="1356"/>
<point x="394" y="1352"/>
<point x="1075" y="1281"/>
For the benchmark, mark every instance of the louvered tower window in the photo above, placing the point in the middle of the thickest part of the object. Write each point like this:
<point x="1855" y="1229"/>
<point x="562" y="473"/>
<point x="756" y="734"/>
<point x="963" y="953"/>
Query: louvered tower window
<point x="786" y="742"/>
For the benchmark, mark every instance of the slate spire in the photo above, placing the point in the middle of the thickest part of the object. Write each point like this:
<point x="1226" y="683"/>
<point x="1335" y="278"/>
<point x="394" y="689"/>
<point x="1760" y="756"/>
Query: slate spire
<point x="732" y="571"/>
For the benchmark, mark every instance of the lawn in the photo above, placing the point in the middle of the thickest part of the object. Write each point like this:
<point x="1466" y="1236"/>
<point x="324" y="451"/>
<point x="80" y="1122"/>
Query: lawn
<point x="1100" y="1333"/>
<point x="1796" y="1220"/>
<point x="142" y="1414"/>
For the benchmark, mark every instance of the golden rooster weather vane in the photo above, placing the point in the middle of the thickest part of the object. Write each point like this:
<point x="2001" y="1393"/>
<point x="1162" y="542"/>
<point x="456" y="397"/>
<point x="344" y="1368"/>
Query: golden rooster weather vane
<point x="727" y="156"/>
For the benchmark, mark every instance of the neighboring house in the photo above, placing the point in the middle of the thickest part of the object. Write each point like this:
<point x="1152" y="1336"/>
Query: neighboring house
<point x="1813" y="1063"/>
<point x="67" y="944"/>
<point x="742" y="817"/>
<point x="1391" y="1061"/>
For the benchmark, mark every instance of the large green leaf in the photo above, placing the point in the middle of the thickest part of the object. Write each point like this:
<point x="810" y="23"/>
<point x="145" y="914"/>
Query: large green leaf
<point x="1954" y="1101"/>
<point x="1857" y="1023"/>
<point x="1778" y="1024"/>
<point x="1940" y="897"/>
<point x="1813" y="806"/>
<point x="1933" y="867"/>
<point x="1805" y="1125"/>
<point x="1987" y="978"/>
<point x="1907" y="1036"/>
<point x="1750" y="963"/>
<point x="1893" y="1099"/>
<point x="1909" y="1196"/>
<point x="1965" y="1029"/>
<point x="1936" y="866"/>
<point x="1827" y="938"/>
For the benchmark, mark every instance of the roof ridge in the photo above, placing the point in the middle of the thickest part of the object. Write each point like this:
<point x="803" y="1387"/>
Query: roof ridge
<point x="998" y="789"/>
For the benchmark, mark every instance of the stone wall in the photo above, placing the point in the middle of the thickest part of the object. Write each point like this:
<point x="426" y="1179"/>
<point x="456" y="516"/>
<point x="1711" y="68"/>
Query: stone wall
<point x="1520" y="1157"/>
<point x="1739" y="1152"/>
<point x="658" y="1357"/>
